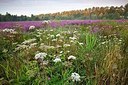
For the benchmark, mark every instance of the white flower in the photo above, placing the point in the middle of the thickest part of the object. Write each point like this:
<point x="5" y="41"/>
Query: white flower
<point x="52" y="36"/>
<point x="81" y="43"/>
<point x="54" y="40"/>
<point x="39" y="33"/>
<point x="57" y="59"/>
<point x="45" y="63"/>
<point x="58" y="35"/>
<point x="72" y="41"/>
<point x="51" y="30"/>
<point x="33" y="44"/>
<point x="66" y="45"/>
<point x="72" y="38"/>
<point x="58" y="46"/>
<point x="68" y="51"/>
<point x="75" y="77"/>
<point x="8" y="30"/>
<point x="71" y="57"/>
<point x="120" y="40"/>
<point x="29" y="41"/>
<point x="75" y="31"/>
<point x="40" y="55"/>
<point x="46" y="22"/>
<point x="32" y="27"/>
<point x="103" y="42"/>
<point x="61" y="52"/>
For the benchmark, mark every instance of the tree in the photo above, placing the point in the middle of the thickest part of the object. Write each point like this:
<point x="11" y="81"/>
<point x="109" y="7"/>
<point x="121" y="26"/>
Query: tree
<point x="126" y="11"/>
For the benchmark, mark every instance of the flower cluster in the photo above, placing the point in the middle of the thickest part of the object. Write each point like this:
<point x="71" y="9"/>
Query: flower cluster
<point x="8" y="30"/>
<point x="75" y="77"/>
<point x="32" y="27"/>
<point x="40" y="56"/>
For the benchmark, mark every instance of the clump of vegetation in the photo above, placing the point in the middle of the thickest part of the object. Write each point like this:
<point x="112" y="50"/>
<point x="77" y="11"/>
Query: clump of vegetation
<point x="95" y="54"/>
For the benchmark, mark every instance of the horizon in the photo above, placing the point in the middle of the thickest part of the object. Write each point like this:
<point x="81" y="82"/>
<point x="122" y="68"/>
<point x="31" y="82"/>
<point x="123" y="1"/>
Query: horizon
<point x="44" y="7"/>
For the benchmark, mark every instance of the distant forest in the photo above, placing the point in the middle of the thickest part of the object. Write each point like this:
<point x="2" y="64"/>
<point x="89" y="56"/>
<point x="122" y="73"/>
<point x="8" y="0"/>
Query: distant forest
<point x="90" y="13"/>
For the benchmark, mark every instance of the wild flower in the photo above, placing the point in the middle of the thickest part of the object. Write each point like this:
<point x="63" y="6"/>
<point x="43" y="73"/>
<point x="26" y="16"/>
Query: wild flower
<point x="51" y="30"/>
<point x="58" y="46"/>
<point x="61" y="52"/>
<point x="81" y="43"/>
<point x="22" y="47"/>
<point x="39" y="33"/>
<point x="58" y="35"/>
<point x="120" y="40"/>
<point x="52" y="36"/>
<point x="105" y="36"/>
<point x="57" y="59"/>
<point x="33" y="45"/>
<point x="54" y="40"/>
<point x="50" y="47"/>
<point x="72" y="38"/>
<point x="75" y="31"/>
<point x="29" y="41"/>
<point x="103" y="43"/>
<point x="46" y="47"/>
<point x="44" y="63"/>
<point x="40" y="55"/>
<point x="75" y="77"/>
<point x="72" y="41"/>
<point x="32" y="27"/>
<point x="8" y="30"/>
<point x="68" y="51"/>
<point x="71" y="57"/>
<point x="62" y="37"/>
<point x="66" y="45"/>
<point x="46" y="22"/>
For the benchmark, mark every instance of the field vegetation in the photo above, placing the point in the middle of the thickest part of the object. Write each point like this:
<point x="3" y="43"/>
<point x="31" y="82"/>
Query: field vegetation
<point x="91" y="54"/>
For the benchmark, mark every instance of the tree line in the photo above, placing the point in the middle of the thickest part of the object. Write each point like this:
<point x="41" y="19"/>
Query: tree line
<point x="88" y="13"/>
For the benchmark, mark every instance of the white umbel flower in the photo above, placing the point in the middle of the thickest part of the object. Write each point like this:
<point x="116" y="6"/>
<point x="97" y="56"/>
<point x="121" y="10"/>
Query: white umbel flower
<point x="58" y="35"/>
<point x="32" y="27"/>
<point x="72" y="38"/>
<point x="57" y="59"/>
<point x="66" y="45"/>
<point x="40" y="55"/>
<point x="8" y="30"/>
<point x="29" y="41"/>
<point x="75" y="77"/>
<point x="71" y="57"/>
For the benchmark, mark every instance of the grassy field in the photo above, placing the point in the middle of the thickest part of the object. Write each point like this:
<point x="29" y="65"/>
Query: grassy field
<point x="93" y="54"/>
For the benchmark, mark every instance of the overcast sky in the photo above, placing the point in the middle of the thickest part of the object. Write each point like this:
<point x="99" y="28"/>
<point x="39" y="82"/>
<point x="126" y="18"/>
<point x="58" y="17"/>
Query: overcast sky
<point x="28" y="7"/>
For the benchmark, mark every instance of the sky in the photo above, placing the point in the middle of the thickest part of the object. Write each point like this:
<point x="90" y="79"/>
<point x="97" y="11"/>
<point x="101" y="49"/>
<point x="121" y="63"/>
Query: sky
<point x="28" y="7"/>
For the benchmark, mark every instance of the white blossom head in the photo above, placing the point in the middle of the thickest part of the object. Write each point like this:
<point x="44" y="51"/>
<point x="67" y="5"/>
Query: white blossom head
<point x="32" y="27"/>
<point x="66" y="45"/>
<point x="75" y="77"/>
<point x="71" y="57"/>
<point x="8" y="30"/>
<point x="40" y="56"/>
<point x="58" y="35"/>
<point x="57" y="59"/>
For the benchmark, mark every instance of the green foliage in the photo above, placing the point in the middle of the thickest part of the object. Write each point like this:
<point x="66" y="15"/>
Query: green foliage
<point x="90" y="41"/>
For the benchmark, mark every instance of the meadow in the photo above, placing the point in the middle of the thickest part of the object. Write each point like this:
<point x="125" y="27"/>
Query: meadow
<point x="64" y="53"/>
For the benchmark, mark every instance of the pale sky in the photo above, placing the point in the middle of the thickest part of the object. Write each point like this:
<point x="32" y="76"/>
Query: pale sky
<point x="28" y="7"/>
